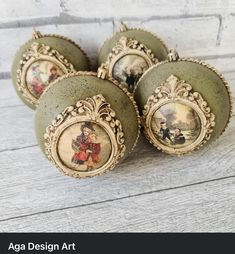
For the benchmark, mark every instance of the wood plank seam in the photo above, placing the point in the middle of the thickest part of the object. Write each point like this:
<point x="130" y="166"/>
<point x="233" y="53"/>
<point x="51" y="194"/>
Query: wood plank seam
<point x="18" y="148"/>
<point x="120" y="198"/>
<point x="12" y="106"/>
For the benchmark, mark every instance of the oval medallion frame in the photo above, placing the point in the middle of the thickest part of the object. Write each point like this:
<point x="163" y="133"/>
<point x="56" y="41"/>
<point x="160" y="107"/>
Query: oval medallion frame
<point x="127" y="46"/>
<point x="124" y="47"/>
<point x="39" y="52"/>
<point x="174" y="90"/>
<point x="94" y="110"/>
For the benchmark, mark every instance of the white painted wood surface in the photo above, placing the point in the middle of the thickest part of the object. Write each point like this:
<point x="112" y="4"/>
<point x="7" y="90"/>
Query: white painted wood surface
<point x="148" y="192"/>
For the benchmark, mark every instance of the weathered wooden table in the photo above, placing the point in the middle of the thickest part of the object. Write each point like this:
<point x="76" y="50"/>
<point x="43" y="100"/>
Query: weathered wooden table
<point x="150" y="191"/>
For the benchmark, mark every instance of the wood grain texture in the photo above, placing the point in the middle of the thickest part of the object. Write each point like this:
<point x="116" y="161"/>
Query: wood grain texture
<point x="30" y="184"/>
<point x="8" y="97"/>
<point x="206" y="207"/>
<point x="148" y="192"/>
<point x="37" y="195"/>
<point x="18" y="124"/>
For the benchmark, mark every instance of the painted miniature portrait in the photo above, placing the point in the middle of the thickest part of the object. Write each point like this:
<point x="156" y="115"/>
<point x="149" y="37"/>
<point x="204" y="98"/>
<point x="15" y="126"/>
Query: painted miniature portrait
<point x="176" y="125"/>
<point x="129" y="69"/>
<point x="40" y="74"/>
<point x="89" y="148"/>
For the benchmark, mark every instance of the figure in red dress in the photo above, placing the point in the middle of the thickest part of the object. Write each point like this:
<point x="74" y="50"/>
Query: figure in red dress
<point x="86" y="148"/>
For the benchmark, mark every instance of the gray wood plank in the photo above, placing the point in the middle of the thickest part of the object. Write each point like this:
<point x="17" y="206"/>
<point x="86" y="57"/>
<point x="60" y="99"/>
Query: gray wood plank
<point x="8" y="97"/>
<point x="207" y="207"/>
<point x="16" y="128"/>
<point x="30" y="184"/>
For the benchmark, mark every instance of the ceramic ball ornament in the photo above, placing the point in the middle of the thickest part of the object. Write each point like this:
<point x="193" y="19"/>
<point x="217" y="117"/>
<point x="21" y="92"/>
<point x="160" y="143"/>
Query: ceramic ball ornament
<point x="86" y="125"/>
<point x="129" y="53"/>
<point x="43" y="59"/>
<point x="184" y="104"/>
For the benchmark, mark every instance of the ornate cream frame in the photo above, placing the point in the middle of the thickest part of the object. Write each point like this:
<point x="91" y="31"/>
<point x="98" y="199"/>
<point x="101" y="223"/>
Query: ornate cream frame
<point x="36" y="52"/>
<point x="175" y="90"/>
<point x="93" y="109"/>
<point x="126" y="46"/>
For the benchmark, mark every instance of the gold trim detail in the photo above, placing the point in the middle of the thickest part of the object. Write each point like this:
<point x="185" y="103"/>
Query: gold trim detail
<point x="171" y="91"/>
<point x="36" y="34"/>
<point x="36" y="52"/>
<point x="125" y="46"/>
<point x="133" y="29"/>
<point x="93" y="109"/>
<point x="173" y="55"/>
<point x="40" y="35"/>
<point x="123" y="27"/>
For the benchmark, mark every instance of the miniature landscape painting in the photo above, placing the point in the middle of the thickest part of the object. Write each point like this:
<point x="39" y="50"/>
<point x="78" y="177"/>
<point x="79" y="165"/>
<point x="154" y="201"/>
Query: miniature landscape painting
<point x="176" y="125"/>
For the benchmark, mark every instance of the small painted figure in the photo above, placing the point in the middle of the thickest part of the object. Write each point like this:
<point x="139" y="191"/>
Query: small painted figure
<point x="165" y="132"/>
<point x="81" y="144"/>
<point x="54" y="74"/>
<point x="37" y="83"/>
<point x="36" y="71"/>
<point x="130" y="79"/>
<point x="93" y="150"/>
<point x="178" y="136"/>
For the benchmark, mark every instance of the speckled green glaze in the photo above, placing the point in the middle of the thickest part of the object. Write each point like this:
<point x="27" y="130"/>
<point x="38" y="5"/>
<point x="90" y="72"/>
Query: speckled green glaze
<point x="203" y="80"/>
<point x="65" y="47"/>
<point x="148" y="39"/>
<point x="68" y="91"/>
